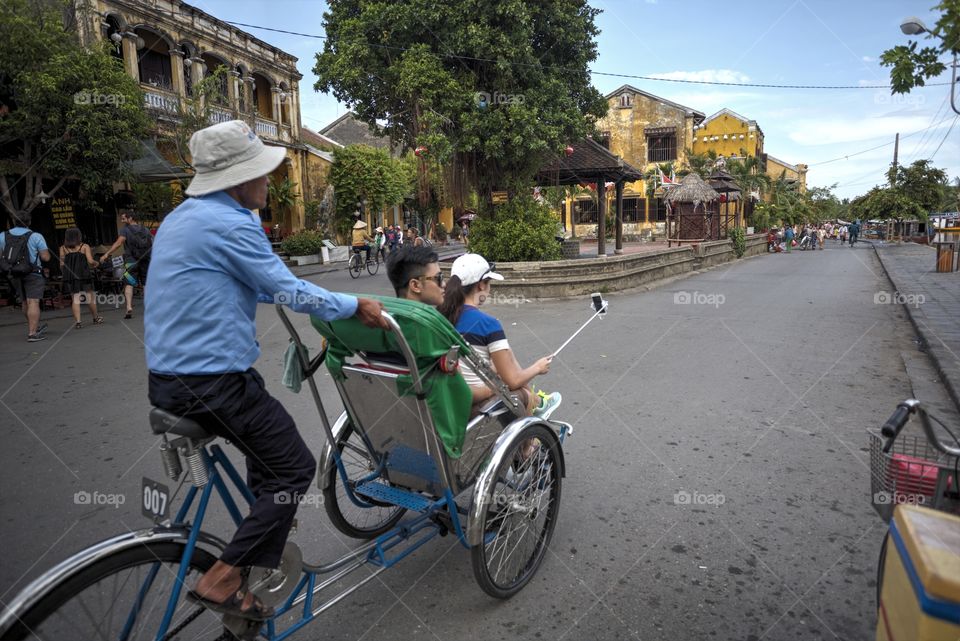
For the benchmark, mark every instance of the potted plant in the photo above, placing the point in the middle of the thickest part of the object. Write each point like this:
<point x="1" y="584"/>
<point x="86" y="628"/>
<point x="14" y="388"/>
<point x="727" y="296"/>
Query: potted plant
<point x="303" y="247"/>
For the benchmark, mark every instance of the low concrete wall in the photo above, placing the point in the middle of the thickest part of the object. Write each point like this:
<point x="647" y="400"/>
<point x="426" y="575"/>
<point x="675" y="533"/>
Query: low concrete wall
<point x="555" y="279"/>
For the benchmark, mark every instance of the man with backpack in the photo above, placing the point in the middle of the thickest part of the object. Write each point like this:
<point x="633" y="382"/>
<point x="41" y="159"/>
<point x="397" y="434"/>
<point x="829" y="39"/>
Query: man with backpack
<point x="21" y="251"/>
<point x="137" y="243"/>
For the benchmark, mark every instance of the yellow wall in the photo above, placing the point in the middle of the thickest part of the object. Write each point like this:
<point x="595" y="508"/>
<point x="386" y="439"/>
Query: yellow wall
<point x="629" y="141"/>
<point x="733" y="137"/>
<point x="775" y="168"/>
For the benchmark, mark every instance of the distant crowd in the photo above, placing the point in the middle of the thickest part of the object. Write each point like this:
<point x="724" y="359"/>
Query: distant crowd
<point x="803" y="237"/>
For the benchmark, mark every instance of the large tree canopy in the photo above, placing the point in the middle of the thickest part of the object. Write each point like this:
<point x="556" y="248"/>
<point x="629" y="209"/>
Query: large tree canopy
<point x="66" y="112"/>
<point x="493" y="87"/>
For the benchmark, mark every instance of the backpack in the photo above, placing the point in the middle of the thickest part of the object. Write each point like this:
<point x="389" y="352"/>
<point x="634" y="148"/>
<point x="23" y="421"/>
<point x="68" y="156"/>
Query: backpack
<point x="139" y="241"/>
<point x="15" y="259"/>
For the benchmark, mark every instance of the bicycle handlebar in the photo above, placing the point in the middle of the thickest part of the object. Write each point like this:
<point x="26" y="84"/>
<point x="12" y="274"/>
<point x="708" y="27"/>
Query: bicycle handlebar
<point x="891" y="429"/>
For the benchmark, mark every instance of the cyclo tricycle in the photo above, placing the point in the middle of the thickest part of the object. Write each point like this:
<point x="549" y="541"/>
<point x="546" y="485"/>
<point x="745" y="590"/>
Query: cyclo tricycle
<point x="408" y="443"/>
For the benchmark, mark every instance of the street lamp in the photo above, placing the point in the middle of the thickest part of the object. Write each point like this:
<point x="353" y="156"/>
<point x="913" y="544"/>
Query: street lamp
<point x="914" y="26"/>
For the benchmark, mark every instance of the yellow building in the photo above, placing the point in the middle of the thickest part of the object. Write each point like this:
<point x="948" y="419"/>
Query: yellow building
<point x="796" y="174"/>
<point x="645" y="131"/>
<point x="168" y="46"/>
<point x="728" y="134"/>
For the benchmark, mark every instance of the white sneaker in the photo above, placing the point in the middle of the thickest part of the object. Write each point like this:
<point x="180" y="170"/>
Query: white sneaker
<point x="548" y="403"/>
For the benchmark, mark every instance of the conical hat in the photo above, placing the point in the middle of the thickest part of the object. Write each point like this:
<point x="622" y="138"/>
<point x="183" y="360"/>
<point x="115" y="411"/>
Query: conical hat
<point x="359" y="224"/>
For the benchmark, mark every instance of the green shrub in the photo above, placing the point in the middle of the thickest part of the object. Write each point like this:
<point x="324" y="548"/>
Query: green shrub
<point x="442" y="232"/>
<point x="523" y="230"/>
<point x="303" y="243"/>
<point x="739" y="239"/>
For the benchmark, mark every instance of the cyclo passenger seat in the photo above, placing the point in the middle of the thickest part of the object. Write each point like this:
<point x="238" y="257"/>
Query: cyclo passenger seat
<point x="164" y="422"/>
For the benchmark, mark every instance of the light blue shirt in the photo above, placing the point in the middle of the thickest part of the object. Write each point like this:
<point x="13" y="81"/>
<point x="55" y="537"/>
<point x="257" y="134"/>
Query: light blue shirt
<point x="35" y="244"/>
<point x="210" y="265"/>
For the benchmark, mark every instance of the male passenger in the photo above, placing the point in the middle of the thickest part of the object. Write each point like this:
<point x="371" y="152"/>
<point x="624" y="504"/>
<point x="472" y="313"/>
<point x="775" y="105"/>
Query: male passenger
<point x="415" y="274"/>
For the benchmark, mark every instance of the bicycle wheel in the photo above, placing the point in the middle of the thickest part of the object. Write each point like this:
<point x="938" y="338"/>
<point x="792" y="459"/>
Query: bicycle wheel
<point x="523" y="507"/>
<point x="373" y="266"/>
<point x="354" y="520"/>
<point x="356" y="266"/>
<point x="100" y="601"/>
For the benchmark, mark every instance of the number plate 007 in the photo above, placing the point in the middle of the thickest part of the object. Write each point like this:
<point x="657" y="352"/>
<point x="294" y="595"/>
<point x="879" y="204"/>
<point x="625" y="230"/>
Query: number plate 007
<point x="155" y="499"/>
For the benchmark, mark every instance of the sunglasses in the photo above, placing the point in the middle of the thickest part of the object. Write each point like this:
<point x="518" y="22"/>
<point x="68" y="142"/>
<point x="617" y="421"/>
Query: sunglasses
<point x="438" y="278"/>
<point x="491" y="268"/>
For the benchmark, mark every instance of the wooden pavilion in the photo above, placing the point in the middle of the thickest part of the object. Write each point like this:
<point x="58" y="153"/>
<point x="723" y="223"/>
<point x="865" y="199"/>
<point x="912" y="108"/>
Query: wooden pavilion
<point x="693" y="210"/>
<point x="730" y="195"/>
<point x="586" y="161"/>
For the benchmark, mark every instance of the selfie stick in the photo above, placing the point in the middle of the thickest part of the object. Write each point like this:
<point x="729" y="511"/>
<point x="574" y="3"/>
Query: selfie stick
<point x="602" y="310"/>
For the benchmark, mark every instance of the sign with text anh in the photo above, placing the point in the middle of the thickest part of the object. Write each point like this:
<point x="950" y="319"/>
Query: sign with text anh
<point x="62" y="210"/>
<point x="498" y="197"/>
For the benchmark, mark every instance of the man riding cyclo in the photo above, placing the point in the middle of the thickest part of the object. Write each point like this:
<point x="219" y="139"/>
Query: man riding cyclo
<point x="211" y="265"/>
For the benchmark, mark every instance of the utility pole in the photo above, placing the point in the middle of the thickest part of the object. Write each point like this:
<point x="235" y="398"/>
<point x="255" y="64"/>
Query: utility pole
<point x="896" y="151"/>
<point x="893" y="175"/>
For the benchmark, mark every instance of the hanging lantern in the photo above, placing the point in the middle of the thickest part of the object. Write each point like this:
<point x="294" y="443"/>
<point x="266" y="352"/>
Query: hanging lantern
<point x="723" y="198"/>
<point x="420" y="151"/>
<point x="568" y="151"/>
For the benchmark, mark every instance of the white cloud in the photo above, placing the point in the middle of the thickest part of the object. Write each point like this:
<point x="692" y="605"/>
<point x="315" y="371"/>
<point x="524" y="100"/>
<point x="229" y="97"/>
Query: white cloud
<point x="706" y="75"/>
<point x="868" y="59"/>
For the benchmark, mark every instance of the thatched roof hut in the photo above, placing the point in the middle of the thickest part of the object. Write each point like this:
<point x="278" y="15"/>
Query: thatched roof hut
<point x="692" y="189"/>
<point x="724" y="183"/>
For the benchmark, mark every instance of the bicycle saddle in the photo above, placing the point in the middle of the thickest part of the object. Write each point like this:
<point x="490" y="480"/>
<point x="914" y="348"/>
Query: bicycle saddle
<point x="164" y="422"/>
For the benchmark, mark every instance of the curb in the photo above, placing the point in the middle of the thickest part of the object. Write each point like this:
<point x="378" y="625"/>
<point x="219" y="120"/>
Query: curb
<point x="930" y="347"/>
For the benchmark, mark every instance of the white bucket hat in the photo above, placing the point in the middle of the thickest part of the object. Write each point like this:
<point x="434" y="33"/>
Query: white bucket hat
<point x="472" y="268"/>
<point x="229" y="154"/>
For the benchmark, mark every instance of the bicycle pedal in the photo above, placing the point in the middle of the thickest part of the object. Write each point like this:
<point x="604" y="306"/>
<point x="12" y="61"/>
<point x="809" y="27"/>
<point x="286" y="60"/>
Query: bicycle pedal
<point x="241" y="629"/>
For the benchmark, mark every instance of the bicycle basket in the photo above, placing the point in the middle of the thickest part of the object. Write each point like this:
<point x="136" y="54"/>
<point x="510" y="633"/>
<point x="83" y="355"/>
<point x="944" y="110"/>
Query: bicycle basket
<point x="912" y="472"/>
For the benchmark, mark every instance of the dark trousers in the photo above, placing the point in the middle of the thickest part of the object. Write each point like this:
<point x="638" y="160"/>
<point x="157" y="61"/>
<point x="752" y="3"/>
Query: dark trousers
<point x="237" y="407"/>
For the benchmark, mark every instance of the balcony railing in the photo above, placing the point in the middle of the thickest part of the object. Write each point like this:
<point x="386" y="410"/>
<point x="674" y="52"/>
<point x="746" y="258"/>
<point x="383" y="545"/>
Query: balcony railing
<point x="164" y="101"/>
<point x="219" y="114"/>
<point x="267" y="128"/>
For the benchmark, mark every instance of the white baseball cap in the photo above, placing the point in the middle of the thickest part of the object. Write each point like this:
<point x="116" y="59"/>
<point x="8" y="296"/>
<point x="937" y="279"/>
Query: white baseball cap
<point x="472" y="268"/>
<point x="229" y="154"/>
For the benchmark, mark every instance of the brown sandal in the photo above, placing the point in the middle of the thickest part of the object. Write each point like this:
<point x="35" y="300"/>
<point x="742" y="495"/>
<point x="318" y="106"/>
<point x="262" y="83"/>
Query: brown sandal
<point x="233" y="605"/>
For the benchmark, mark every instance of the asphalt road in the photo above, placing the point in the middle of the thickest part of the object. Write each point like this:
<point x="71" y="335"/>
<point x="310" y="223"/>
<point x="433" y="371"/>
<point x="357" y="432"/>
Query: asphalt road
<point x="717" y="481"/>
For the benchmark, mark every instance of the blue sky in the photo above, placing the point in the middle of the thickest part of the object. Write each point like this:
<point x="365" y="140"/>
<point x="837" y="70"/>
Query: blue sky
<point x="778" y="41"/>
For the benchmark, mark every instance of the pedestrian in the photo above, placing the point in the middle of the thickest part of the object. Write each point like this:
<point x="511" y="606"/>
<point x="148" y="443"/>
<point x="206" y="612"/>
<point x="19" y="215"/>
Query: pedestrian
<point x="137" y="243"/>
<point x="210" y="266"/>
<point x="21" y="253"/>
<point x="413" y="237"/>
<point x="465" y="232"/>
<point x="843" y="234"/>
<point x="379" y="241"/>
<point x="75" y="263"/>
<point x="821" y="236"/>
<point x="390" y="238"/>
<point x="854" y="232"/>
<point x="788" y="236"/>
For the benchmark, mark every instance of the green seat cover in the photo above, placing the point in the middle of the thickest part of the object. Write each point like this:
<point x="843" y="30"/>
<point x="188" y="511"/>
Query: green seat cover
<point x="430" y="336"/>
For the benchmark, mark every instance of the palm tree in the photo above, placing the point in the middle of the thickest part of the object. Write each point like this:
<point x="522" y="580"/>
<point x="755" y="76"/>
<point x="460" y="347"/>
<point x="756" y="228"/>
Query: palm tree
<point x="746" y="172"/>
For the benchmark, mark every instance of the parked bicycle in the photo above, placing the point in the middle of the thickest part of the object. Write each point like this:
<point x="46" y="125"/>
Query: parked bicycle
<point x="911" y="470"/>
<point x="357" y="262"/>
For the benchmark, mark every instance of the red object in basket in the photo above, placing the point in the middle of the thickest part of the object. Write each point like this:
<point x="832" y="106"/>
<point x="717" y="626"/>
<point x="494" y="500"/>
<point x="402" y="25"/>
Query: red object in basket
<point x="912" y="475"/>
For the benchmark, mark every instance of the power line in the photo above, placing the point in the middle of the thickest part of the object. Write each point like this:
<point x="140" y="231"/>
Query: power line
<point x="945" y="137"/>
<point x="595" y="73"/>
<point x="886" y="144"/>
<point x="927" y="137"/>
